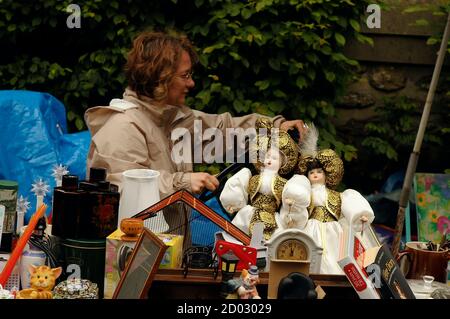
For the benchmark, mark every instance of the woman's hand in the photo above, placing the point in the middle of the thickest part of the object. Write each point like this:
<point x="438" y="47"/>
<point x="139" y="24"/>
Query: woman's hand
<point x="298" y="124"/>
<point x="200" y="181"/>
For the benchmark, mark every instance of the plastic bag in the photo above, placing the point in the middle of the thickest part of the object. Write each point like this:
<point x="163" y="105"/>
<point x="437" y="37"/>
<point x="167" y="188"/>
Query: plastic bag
<point x="34" y="139"/>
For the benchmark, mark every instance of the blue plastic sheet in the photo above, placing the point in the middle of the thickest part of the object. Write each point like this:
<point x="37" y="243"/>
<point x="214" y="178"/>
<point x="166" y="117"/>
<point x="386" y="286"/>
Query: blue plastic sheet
<point x="34" y="139"/>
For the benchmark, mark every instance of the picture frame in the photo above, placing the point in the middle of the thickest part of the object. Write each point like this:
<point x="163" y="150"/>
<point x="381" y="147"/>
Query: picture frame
<point x="142" y="267"/>
<point x="432" y="194"/>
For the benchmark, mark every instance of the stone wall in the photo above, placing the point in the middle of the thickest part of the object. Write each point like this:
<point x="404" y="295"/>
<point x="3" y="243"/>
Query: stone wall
<point x="399" y="64"/>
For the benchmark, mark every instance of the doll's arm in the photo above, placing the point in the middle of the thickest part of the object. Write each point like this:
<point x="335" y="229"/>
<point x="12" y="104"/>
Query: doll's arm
<point x="243" y="218"/>
<point x="234" y="195"/>
<point x="296" y="197"/>
<point x="356" y="209"/>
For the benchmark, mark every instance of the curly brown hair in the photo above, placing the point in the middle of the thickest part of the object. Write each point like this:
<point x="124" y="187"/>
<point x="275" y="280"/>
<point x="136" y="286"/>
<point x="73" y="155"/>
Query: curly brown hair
<point x="153" y="61"/>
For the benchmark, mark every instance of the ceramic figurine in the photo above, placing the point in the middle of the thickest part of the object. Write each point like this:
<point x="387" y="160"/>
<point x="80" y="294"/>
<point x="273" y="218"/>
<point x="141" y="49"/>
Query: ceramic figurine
<point x="329" y="211"/>
<point x="245" y="286"/>
<point x="132" y="228"/>
<point x="258" y="198"/>
<point x="42" y="281"/>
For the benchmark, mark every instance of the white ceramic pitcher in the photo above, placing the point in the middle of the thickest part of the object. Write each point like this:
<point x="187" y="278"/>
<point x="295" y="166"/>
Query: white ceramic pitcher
<point x="140" y="191"/>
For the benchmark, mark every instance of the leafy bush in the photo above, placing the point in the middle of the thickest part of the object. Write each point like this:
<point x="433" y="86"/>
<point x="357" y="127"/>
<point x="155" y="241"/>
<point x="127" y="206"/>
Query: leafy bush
<point x="390" y="137"/>
<point x="268" y="56"/>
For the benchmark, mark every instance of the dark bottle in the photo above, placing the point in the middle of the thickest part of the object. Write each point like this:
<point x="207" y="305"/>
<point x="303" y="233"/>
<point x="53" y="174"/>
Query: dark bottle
<point x="67" y="208"/>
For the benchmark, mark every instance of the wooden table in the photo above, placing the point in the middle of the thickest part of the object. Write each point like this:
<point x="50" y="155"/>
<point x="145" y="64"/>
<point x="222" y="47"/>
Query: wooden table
<point x="201" y="284"/>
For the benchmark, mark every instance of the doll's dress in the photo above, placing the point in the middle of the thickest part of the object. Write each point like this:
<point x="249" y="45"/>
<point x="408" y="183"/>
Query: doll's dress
<point x="328" y="214"/>
<point x="265" y="201"/>
<point x="242" y="189"/>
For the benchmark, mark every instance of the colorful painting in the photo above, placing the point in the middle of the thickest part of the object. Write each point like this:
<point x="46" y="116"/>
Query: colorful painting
<point x="433" y="205"/>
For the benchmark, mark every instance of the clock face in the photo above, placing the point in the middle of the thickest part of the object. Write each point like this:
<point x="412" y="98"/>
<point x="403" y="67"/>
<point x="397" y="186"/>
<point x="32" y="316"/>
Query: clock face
<point x="292" y="249"/>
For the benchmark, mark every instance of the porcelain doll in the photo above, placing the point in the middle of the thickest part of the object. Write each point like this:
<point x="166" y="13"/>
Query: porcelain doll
<point x="329" y="211"/>
<point x="258" y="198"/>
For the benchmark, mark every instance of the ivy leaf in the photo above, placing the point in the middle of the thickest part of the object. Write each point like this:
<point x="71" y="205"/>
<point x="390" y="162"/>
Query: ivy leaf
<point x="245" y="62"/>
<point x="280" y="94"/>
<point x="262" y="85"/>
<point x="70" y="116"/>
<point x="210" y="49"/>
<point x="339" y="39"/>
<point x="79" y="123"/>
<point x="355" y="25"/>
<point x="235" y="56"/>
<point x="301" y="82"/>
<point x="239" y="106"/>
<point x="330" y="76"/>
<point x="352" y="62"/>
<point x="274" y="64"/>
<point x="246" y="13"/>
<point x="432" y="41"/>
<point x="312" y="57"/>
<point x="259" y="6"/>
<point x="311" y="73"/>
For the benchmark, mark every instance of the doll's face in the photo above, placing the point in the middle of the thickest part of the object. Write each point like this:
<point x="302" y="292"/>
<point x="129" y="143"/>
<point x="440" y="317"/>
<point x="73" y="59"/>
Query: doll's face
<point x="272" y="161"/>
<point x="316" y="176"/>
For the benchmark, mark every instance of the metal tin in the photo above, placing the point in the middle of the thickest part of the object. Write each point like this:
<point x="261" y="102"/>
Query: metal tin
<point x="8" y="198"/>
<point x="89" y="211"/>
<point x="89" y="256"/>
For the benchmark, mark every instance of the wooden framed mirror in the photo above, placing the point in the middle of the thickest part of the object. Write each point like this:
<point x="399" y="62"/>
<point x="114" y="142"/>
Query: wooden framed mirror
<point x="141" y="269"/>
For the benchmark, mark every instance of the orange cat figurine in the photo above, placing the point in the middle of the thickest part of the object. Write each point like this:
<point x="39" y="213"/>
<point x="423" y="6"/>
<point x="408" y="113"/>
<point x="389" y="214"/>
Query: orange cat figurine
<point x="42" y="281"/>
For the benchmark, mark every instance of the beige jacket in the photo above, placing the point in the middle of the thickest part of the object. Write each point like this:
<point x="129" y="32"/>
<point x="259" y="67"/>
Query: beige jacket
<point x="134" y="133"/>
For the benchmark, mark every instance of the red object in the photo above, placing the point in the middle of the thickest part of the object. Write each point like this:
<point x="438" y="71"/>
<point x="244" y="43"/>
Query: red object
<point x="50" y="218"/>
<point x="355" y="277"/>
<point x="21" y="245"/>
<point x="247" y="255"/>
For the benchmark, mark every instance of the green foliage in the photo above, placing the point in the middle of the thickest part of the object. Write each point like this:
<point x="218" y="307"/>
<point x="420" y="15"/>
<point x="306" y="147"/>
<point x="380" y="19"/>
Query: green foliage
<point x="266" y="56"/>
<point x="443" y="9"/>
<point x="395" y="128"/>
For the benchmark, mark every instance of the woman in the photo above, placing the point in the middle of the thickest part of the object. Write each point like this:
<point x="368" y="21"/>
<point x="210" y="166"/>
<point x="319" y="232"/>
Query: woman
<point x="135" y="131"/>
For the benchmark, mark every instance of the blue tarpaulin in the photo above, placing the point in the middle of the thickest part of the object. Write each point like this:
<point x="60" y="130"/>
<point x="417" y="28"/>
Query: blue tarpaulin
<point x="34" y="139"/>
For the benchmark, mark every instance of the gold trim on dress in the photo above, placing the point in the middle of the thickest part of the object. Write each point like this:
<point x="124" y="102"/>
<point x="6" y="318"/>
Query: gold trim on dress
<point x="331" y="211"/>
<point x="266" y="205"/>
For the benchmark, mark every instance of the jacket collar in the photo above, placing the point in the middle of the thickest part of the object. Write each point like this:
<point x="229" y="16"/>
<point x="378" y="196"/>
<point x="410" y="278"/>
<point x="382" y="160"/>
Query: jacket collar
<point x="160" y="115"/>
